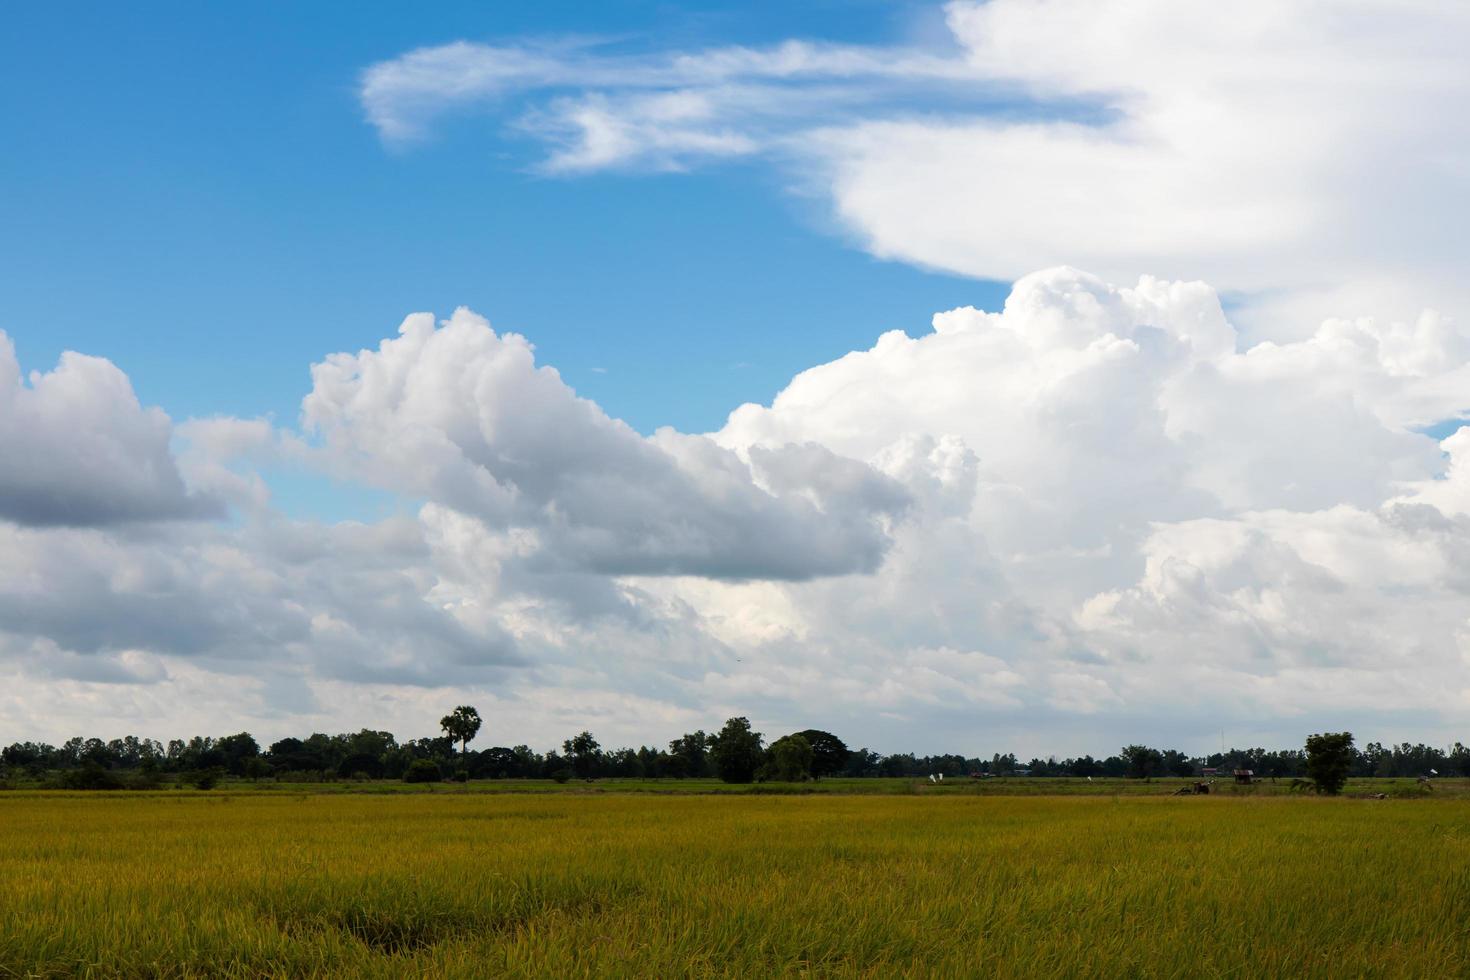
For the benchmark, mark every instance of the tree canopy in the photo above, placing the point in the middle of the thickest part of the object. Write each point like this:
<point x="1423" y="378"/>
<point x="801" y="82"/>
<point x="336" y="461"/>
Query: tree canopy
<point x="829" y="753"/>
<point x="461" y="725"/>
<point x="1329" y="760"/>
<point x="788" y="760"/>
<point x="736" y="752"/>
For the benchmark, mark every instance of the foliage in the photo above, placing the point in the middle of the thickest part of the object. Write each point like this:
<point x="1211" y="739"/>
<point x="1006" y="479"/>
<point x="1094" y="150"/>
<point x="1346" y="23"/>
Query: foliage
<point x="1142" y="761"/>
<point x="688" y="757"/>
<point x="364" y="763"/>
<point x="585" y="754"/>
<point x="461" y="725"/>
<point x="1329" y="760"/>
<point x="422" y="771"/>
<point x="736" y="751"/>
<point x="379" y="755"/>
<point x="206" y="778"/>
<point x="829" y="753"/>
<point x="788" y="760"/>
<point x="235" y="752"/>
<point x="90" y="776"/>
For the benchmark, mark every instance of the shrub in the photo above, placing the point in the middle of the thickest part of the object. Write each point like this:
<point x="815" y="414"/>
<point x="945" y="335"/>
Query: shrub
<point x="145" y="779"/>
<point x="422" y="771"/>
<point x="360" y="764"/>
<point x="301" y="776"/>
<point x="562" y="775"/>
<point x="461" y="775"/>
<point x="90" y="776"/>
<point x="205" y="778"/>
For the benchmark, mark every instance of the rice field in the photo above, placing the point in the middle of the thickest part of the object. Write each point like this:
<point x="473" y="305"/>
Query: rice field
<point x="574" y="884"/>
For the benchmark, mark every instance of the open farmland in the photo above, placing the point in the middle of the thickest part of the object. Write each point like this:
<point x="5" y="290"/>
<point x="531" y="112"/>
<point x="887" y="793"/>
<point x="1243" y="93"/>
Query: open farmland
<point x="565" y="884"/>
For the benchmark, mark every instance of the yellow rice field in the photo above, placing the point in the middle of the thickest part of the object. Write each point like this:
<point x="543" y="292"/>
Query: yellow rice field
<point x="174" y="885"/>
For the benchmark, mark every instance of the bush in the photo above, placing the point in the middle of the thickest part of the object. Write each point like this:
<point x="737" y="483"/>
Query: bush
<point x="302" y="776"/>
<point x="422" y="771"/>
<point x="145" y="779"/>
<point x="461" y="775"/>
<point x="90" y="776"/>
<point x="205" y="778"/>
<point x="562" y="775"/>
<point x="360" y="764"/>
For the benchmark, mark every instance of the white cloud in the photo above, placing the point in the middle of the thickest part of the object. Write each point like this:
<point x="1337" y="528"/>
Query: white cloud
<point x="1302" y="154"/>
<point x="1090" y="518"/>
<point x="78" y="449"/>
<point x="464" y="417"/>
<point x="1151" y="523"/>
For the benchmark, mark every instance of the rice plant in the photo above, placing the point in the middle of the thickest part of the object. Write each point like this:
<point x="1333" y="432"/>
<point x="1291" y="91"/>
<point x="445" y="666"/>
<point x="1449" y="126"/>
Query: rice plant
<point x="275" y="884"/>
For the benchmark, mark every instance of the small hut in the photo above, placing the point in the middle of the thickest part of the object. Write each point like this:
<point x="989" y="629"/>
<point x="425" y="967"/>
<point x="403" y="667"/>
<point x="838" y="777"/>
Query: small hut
<point x="1245" y="776"/>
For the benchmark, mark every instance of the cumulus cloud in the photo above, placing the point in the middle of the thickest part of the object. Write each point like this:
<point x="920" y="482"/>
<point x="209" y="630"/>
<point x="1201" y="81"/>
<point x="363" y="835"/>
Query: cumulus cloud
<point x="1093" y="516"/>
<point x="464" y="417"/>
<point x="1290" y="153"/>
<point x="79" y="449"/>
<point x="1148" y="519"/>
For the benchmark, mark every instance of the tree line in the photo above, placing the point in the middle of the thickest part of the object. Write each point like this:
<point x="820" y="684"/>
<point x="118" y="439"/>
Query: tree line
<point x="736" y="753"/>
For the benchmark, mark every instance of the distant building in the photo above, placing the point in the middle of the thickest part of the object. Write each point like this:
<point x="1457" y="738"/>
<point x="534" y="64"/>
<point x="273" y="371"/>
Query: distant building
<point x="1246" y="776"/>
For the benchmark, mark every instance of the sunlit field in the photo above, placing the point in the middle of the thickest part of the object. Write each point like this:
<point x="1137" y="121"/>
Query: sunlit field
<point x="576" y="882"/>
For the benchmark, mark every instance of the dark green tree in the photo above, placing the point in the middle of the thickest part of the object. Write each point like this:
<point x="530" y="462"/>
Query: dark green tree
<point x="461" y="725"/>
<point x="689" y="755"/>
<point x="422" y="771"/>
<point x="788" y="760"/>
<point x="584" y="753"/>
<point x="1329" y="759"/>
<point x="498" y="763"/>
<point x="1142" y="761"/>
<point x="236" y="750"/>
<point x="829" y="753"/>
<point x="736" y="751"/>
<point x="360" y="764"/>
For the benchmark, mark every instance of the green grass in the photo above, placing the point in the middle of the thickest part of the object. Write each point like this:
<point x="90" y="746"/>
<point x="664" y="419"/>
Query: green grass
<point x="569" y="884"/>
<point x="1007" y="786"/>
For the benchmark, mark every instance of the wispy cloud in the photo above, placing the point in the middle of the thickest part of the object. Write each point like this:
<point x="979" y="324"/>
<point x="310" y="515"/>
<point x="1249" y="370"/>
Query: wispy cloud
<point x="1298" y="153"/>
<point x="596" y="109"/>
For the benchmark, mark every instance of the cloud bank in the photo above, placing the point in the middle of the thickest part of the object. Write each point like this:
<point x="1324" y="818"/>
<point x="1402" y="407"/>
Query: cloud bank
<point x="1092" y="516"/>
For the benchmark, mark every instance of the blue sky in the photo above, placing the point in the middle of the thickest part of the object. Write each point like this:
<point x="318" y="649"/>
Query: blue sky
<point x="195" y="195"/>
